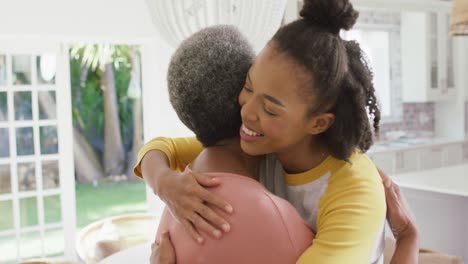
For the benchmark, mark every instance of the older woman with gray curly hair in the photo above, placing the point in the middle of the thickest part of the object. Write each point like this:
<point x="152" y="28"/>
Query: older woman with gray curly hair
<point x="205" y="76"/>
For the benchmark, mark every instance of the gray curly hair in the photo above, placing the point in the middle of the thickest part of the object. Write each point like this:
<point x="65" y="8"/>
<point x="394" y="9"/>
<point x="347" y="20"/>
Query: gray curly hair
<point x="205" y="77"/>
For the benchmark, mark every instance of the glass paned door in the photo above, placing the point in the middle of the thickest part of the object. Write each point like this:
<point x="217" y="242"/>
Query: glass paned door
<point x="36" y="163"/>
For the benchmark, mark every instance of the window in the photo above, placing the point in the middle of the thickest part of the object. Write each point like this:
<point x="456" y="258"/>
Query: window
<point x="376" y="46"/>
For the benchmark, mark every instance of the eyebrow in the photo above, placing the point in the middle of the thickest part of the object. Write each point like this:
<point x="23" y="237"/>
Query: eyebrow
<point x="266" y="96"/>
<point x="273" y="100"/>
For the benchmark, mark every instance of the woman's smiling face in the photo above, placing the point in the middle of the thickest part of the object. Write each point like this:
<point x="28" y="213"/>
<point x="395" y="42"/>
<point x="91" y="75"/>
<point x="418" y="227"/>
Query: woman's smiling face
<point x="274" y="114"/>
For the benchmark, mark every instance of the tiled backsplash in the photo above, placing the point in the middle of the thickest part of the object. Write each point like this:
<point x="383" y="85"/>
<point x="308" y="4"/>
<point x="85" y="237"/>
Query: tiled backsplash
<point x="417" y="117"/>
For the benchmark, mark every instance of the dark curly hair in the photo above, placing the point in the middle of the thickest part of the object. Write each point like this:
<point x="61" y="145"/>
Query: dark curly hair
<point x="339" y="78"/>
<point x="205" y="76"/>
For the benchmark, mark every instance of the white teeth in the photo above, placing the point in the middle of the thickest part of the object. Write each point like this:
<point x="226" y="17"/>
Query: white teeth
<point x="250" y="132"/>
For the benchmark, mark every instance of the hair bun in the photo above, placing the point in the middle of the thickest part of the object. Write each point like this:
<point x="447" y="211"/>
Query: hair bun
<point x="333" y="15"/>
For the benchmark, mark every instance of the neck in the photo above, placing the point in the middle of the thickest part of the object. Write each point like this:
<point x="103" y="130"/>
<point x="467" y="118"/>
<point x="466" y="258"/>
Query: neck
<point x="303" y="157"/>
<point x="232" y="146"/>
<point x="230" y="143"/>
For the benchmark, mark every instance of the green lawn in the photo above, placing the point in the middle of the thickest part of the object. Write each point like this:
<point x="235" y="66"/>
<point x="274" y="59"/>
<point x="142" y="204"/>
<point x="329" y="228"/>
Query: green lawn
<point x="108" y="199"/>
<point x="92" y="204"/>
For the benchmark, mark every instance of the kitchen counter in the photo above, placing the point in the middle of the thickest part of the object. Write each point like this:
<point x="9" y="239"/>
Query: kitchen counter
<point x="448" y="180"/>
<point x="438" y="199"/>
<point x="411" y="143"/>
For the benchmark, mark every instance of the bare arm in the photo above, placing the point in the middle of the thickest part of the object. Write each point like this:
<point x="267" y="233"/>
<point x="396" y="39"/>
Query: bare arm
<point x="407" y="251"/>
<point x="402" y="223"/>
<point x="154" y="167"/>
<point x="186" y="196"/>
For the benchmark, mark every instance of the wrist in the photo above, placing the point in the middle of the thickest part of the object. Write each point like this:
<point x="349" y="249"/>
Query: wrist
<point x="154" y="166"/>
<point x="409" y="234"/>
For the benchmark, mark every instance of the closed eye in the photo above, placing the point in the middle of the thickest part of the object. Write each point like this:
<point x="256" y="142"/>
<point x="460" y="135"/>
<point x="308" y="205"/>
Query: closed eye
<point x="247" y="89"/>
<point x="268" y="112"/>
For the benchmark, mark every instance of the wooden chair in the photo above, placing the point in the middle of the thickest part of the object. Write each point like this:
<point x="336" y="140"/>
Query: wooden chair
<point x="130" y="230"/>
<point x="426" y="256"/>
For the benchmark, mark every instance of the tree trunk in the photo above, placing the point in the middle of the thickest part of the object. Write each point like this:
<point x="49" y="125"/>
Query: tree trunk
<point x="87" y="165"/>
<point x="137" y="137"/>
<point x="114" y="153"/>
<point x="134" y="92"/>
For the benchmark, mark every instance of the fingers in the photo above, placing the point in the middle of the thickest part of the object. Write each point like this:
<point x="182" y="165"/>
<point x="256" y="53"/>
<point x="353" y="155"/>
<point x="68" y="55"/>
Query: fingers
<point x="215" y="200"/>
<point x="396" y="190"/>
<point x="167" y="253"/>
<point x="188" y="227"/>
<point x="385" y="179"/>
<point x="205" y="180"/>
<point x="201" y="224"/>
<point x="395" y="210"/>
<point x="165" y="240"/>
<point x="390" y="197"/>
<point x="382" y="174"/>
<point x="205" y="195"/>
<point x="192" y="205"/>
<point x="209" y="221"/>
<point x="213" y="219"/>
<point x="396" y="213"/>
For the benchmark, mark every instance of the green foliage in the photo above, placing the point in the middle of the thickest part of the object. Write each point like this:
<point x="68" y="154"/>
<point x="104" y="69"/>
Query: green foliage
<point x="86" y="64"/>
<point x="98" y="55"/>
<point x="122" y="79"/>
<point x="87" y="102"/>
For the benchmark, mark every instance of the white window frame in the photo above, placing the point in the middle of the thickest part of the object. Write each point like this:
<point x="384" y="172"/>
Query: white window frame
<point x="33" y="47"/>
<point x="396" y="103"/>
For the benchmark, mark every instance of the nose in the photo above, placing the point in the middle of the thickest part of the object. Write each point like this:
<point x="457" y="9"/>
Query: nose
<point x="248" y="108"/>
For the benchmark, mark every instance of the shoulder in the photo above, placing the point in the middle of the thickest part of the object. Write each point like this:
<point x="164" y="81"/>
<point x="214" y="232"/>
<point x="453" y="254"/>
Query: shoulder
<point x="359" y="171"/>
<point x="356" y="181"/>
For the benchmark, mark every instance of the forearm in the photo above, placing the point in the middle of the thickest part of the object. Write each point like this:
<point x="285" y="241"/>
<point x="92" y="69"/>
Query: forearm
<point x="154" y="166"/>
<point x="407" y="250"/>
<point x="160" y="164"/>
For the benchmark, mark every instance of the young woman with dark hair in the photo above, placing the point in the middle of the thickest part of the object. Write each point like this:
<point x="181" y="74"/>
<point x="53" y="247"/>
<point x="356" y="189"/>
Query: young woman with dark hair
<point x="307" y="103"/>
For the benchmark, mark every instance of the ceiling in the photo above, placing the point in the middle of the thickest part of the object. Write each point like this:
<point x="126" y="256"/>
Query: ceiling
<point x="111" y="20"/>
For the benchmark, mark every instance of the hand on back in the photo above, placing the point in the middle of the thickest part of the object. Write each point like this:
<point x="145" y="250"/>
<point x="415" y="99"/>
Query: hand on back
<point x="191" y="204"/>
<point x="399" y="216"/>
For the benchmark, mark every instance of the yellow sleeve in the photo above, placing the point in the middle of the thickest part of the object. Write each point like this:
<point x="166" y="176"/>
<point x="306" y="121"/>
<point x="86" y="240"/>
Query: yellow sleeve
<point x="179" y="151"/>
<point x="351" y="218"/>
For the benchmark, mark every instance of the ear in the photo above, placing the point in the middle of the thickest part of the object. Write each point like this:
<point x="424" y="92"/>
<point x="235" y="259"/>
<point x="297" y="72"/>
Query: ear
<point x="320" y="123"/>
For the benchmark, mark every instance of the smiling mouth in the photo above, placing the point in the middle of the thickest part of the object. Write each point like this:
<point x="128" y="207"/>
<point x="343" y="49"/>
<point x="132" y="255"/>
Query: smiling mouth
<point x="250" y="132"/>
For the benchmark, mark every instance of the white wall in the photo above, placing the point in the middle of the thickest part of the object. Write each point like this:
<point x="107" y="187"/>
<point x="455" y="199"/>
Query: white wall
<point x="77" y="20"/>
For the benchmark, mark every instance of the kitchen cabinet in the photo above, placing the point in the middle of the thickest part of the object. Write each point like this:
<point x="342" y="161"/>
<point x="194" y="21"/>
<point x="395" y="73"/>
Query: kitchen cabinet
<point x="453" y="154"/>
<point x="466" y="89"/>
<point x="465" y="152"/>
<point x="431" y="157"/>
<point x="385" y="161"/>
<point x="407" y="160"/>
<point x="417" y="158"/>
<point x="428" y="73"/>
